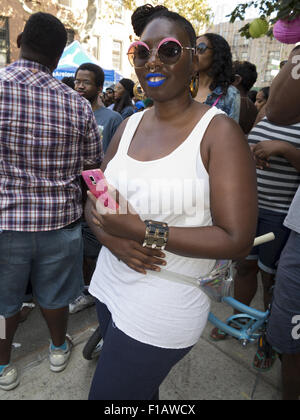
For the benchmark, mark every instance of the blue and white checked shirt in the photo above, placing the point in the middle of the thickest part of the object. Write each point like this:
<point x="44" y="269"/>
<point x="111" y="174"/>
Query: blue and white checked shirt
<point x="47" y="133"/>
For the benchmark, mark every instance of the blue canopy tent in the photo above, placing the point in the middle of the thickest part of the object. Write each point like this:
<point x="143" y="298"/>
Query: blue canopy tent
<point x="73" y="56"/>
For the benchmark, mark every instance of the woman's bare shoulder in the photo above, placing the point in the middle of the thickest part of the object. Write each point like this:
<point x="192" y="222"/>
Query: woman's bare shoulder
<point x="225" y="128"/>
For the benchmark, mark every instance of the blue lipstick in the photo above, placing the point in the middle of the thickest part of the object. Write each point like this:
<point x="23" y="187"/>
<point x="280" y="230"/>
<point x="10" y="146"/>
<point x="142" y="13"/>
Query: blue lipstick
<point x="157" y="83"/>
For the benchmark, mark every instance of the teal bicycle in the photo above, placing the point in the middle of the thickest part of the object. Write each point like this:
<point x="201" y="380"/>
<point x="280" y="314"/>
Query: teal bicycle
<point x="249" y="324"/>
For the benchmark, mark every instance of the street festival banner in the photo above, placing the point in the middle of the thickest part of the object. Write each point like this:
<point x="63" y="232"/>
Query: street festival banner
<point x="73" y="56"/>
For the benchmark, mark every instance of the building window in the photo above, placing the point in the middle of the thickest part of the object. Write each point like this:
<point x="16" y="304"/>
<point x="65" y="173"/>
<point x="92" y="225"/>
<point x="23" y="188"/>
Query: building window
<point x="70" y="36"/>
<point x="268" y="76"/>
<point x="96" y="49"/>
<point x="67" y="3"/>
<point x="117" y="55"/>
<point x="118" y="8"/>
<point x="244" y="56"/>
<point x="4" y="42"/>
<point x="273" y="55"/>
<point x="236" y="39"/>
<point x="246" y="41"/>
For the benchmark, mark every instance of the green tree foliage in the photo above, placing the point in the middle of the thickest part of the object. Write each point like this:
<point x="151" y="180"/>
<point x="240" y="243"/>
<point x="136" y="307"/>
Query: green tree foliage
<point x="271" y="10"/>
<point x="196" y="11"/>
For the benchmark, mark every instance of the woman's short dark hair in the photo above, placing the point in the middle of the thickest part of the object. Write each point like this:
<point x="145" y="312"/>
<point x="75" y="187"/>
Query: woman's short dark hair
<point x="252" y="95"/>
<point x="44" y="34"/>
<point x="248" y="73"/>
<point x="221" y="68"/>
<point x="145" y="14"/>
<point x="266" y="92"/>
<point x="97" y="70"/>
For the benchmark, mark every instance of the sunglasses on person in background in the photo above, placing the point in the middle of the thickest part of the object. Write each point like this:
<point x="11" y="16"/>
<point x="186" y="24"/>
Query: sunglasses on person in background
<point x="202" y="47"/>
<point x="169" y="51"/>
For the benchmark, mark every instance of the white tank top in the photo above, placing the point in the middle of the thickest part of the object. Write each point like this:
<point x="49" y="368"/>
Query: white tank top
<point x="174" y="189"/>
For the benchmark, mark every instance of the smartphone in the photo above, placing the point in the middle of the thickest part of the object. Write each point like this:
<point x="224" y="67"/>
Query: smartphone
<point x="97" y="184"/>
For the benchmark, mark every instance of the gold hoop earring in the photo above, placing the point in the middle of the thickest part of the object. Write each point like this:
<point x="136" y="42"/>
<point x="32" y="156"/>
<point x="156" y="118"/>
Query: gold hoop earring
<point x="194" y="86"/>
<point x="138" y="92"/>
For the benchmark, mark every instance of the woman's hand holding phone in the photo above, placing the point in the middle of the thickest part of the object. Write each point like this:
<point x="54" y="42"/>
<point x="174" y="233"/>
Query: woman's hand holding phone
<point x="117" y="235"/>
<point x="123" y="222"/>
<point x="109" y="203"/>
<point x="98" y="186"/>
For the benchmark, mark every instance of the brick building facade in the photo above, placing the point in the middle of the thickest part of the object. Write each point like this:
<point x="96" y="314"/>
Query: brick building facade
<point x="263" y="52"/>
<point x="103" y="27"/>
<point x="15" y="13"/>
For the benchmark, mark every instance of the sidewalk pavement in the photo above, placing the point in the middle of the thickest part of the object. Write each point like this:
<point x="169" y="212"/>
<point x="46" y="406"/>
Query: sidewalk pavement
<point x="211" y="371"/>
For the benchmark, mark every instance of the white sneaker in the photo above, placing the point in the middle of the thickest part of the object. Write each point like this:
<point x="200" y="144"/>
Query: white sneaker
<point x="83" y="301"/>
<point x="9" y="378"/>
<point x="60" y="358"/>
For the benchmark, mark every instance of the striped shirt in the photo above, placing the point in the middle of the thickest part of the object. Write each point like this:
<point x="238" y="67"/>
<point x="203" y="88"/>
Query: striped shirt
<point x="278" y="183"/>
<point x="47" y="132"/>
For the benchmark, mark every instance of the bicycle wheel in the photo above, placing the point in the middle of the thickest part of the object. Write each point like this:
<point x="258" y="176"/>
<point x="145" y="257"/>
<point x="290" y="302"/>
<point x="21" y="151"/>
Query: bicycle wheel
<point x="93" y="345"/>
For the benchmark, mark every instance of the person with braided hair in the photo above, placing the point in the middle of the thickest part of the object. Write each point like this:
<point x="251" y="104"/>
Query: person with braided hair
<point x="187" y="197"/>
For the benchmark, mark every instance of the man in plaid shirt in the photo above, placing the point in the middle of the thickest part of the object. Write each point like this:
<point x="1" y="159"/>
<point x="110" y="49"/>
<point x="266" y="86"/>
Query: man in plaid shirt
<point x="48" y="135"/>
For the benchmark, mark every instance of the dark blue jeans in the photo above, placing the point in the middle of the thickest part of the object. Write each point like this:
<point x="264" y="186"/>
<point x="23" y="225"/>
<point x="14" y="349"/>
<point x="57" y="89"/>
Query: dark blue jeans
<point x="50" y="260"/>
<point x="128" y="369"/>
<point x="268" y="254"/>
<point x="283" y="330"/>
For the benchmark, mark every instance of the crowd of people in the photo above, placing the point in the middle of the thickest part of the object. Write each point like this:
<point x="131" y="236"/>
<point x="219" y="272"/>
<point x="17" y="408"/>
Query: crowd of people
<point x="192" y="129"/>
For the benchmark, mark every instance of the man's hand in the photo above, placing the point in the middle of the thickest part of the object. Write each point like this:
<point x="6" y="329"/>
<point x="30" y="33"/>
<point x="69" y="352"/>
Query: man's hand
<point x="265" y="149"/>
<point x="260" y="163"/>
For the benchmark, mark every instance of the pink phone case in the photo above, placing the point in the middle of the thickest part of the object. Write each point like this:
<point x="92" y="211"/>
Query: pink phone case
<point x="97" y="184"/>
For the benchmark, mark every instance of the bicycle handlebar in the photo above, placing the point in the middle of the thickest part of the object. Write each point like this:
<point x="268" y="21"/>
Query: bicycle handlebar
<point x="264" y="238"/>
